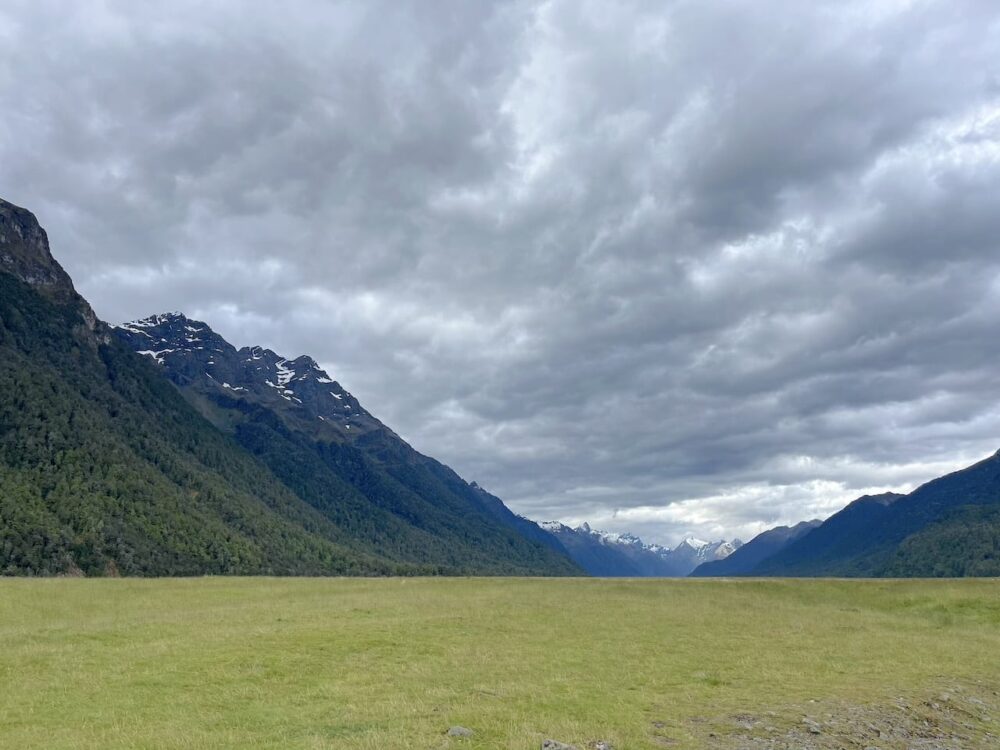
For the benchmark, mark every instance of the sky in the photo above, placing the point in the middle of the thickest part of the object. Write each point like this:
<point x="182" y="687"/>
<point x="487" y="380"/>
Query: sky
<point x="679" y="268"/>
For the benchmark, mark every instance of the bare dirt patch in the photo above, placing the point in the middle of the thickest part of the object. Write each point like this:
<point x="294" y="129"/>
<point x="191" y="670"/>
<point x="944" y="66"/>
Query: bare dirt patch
<point x="957" y="717"/>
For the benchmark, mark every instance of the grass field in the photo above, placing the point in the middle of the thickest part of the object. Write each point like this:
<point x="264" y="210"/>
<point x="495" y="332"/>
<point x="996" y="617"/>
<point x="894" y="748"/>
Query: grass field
<point x="392" y="663"/>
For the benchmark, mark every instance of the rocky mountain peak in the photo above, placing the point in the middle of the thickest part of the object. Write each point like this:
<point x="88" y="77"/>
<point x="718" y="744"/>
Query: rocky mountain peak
<point x="194" y="355"/>
<point x="24" y="250"/>
<point x="624" y="553"/>
<point x="693" y="543"/>
<point x="25" y="254"/>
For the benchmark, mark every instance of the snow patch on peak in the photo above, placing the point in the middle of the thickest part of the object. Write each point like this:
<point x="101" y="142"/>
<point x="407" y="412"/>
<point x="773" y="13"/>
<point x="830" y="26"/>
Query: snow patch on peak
<point x="134" y="327"/>
<point x="164" y="319"/>
<point x="695" y="543"/>
<point x="157" y="355"/>
<point x="285" y="373"/>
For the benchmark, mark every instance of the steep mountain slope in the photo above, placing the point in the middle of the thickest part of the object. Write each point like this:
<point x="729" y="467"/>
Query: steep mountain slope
<point x="758" y="549"/>
<point x="945" y="527"/>
<point x="105" y="468"/>
<point x="318" y="439"/>
<point x="602" y="553"/>
<point x="25" y="255"/>
<point x="964" y="543"/>
<point x="593" y="553"/>
<point x="841" y="537"/>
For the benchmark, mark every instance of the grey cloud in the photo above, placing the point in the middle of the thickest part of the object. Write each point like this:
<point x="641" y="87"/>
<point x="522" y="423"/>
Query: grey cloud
<point x="684" y="268"/>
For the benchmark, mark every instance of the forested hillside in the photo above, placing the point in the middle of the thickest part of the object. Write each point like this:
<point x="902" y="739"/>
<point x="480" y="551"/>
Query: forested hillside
<point x="105" y="468"/>
<point x="327" y="448"/>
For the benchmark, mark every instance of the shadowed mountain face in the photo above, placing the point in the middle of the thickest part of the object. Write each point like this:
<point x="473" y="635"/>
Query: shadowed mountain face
<point x="195" y="357"/>
<point x="947" y="527"/>
<point x="106" y="467"/>
<point x="841" y="537"/>
<point x="626" y="555"/>
<point x="758" y="549"/>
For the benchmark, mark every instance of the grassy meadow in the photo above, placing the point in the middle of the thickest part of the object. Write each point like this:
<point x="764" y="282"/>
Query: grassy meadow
<point x="392" y="663"/>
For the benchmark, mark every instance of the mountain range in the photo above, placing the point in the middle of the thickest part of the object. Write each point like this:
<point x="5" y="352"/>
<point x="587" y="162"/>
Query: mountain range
<point x="198" y="458"/>
<point x="948" y="527"/>
<point x="602" y="553"/>
<point x="158" y="448"/>
<point x="758" y="549"/>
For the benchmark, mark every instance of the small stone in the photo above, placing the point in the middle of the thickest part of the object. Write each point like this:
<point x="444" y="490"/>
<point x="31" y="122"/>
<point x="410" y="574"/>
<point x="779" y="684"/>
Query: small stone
<point x="556" y="745"/>
<point x="812" y="726"/>
<point x="601" y="745"/>
<point x="460" y="732"/>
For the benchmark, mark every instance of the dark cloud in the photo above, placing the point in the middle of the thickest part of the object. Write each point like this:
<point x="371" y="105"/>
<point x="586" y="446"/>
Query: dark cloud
<point x="695" y="267"/>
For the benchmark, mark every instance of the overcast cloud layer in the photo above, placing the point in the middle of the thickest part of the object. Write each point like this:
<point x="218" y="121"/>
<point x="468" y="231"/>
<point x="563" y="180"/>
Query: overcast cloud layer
<point x="691" y="267"/>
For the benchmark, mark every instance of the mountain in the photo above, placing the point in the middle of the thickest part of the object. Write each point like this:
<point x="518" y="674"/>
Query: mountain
<point x="25" y="255"/>
<point x="594" y="553"/>
<point x="949" y="526"/>
<point x="324" y="445"/>
<point x="691" y="553"/>
<point x="198" y="359"/>
<point x="106" y="467"/>
<point x="761" y="547"/>
<point x="609" y="554"/>
<point x="843" y="536"/>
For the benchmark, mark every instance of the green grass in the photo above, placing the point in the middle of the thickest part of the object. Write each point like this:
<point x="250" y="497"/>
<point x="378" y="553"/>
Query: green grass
<point x="392" y="663"/>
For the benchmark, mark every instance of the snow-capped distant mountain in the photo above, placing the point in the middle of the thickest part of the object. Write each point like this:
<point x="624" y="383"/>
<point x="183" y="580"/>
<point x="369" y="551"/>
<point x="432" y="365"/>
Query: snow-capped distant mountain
<point x="759" y="548"/>
<point x="605" y="553"/>
<point x="691" y="553"/>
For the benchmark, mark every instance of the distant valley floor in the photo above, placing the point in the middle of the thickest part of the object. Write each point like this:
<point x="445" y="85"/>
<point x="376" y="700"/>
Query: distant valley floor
<point x="393" y="663"/>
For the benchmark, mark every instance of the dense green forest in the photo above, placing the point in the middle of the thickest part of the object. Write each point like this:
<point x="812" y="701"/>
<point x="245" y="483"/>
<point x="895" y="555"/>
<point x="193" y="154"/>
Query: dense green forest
<point x="966" y="543"/>
<point x="107" y="469"/>
<point x="401" y="509"/>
